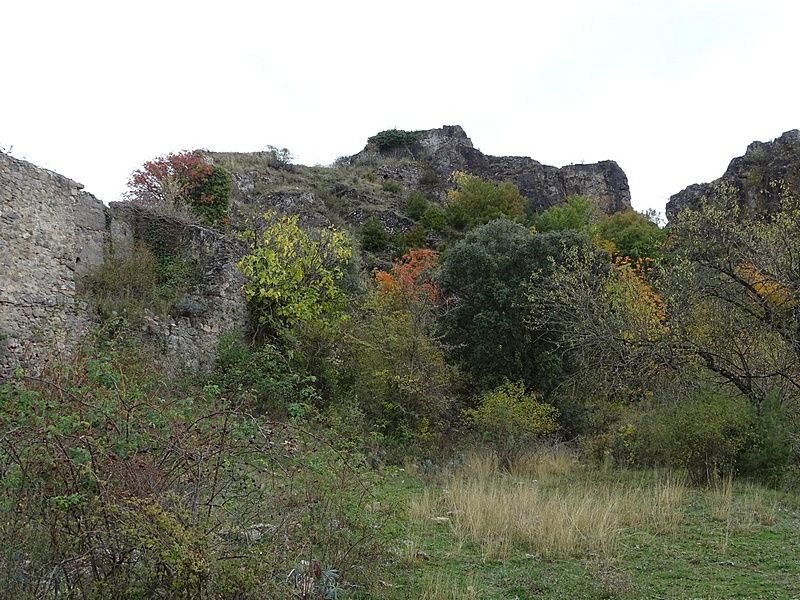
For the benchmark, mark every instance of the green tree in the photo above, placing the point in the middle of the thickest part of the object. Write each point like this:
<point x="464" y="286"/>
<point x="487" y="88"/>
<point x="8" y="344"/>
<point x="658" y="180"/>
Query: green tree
<point x="483" y="320"/>
<point x="633" y="235"/>
<point x="293" y="274"/>
<point x="476" y="201"/>
<point x="577" y="213"/>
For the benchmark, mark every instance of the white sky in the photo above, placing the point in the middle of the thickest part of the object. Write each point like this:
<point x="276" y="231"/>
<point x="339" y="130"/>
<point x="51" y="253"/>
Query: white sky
<point x="671" y="90"/>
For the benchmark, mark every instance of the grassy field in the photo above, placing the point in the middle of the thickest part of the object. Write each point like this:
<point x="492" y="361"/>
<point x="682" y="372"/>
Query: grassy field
<point x="554" y="529"/>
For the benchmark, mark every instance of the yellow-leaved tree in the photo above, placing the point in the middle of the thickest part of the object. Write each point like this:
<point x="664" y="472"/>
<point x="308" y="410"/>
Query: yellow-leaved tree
<point x="294" y="274"/>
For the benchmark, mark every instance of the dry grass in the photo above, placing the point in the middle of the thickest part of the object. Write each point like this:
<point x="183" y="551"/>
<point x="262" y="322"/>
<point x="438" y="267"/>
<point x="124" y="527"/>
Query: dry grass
<point x="551" y="516"/>
<point x="545" y="462"/>
<point x="442" y="587"/>
<point x="720" y="498"/>
<point x="743" y="507"/>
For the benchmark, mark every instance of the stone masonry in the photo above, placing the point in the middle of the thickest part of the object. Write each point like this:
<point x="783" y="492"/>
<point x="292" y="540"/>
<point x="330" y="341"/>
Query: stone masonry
<point x="52" y="232"/>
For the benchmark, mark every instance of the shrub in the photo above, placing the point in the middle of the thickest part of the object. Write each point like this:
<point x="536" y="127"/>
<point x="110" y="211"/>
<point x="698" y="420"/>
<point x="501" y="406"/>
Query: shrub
<point x="393" y="187"/>
<point x="576" y="213"/>
<point x="704" y="435"/>
<point x="476" y="201"/>
<point x="510" y="419"/>
<point x="768" y="456"/>
<point x="434" y="218"/>
<point x="416" y="204"/>
<point x="210" y="200"/>
<point x="260" y="377"/>
<point x="391" y="139"/>
<point x="374" y="237"/>
<point x="130" y="282"/>
<point x="417" y="236"/>
<point x="429" y="178"/>
<point x="112" y="489"/>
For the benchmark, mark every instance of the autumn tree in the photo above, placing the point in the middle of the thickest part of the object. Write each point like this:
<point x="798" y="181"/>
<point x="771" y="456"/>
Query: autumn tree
<point x="402" y="381"/>
<point x="734" y="292"/>
<point x="605" y="320"/>
<point x="183" y="181"/>
<point x="293" y="274"/>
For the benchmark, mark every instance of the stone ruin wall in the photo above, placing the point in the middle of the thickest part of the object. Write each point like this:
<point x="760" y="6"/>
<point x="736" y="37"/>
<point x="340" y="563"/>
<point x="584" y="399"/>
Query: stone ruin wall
<point x="52" y="232"/>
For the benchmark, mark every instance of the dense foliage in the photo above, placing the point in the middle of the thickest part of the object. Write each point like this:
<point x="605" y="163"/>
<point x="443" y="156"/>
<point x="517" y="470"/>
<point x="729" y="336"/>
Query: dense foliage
<point x="607" y="337"/>
<point x="394" y="138"/>
<point x="293" y="274"/>
<point x="476" y="201"/>
<point x="184" y="180"/>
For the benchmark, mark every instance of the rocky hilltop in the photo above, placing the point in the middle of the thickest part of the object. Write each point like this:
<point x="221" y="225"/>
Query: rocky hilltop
<point x="751" y="177"/>
<point x="449" y="149"/>
<point x="375" y="182"/>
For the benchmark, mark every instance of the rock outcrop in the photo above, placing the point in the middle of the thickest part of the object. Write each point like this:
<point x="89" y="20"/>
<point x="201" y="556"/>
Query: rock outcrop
<point x="448" y="149"/>
<point x="755" y="178"/>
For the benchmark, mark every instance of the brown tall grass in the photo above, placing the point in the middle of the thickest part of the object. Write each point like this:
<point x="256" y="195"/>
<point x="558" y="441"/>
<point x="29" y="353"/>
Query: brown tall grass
<point x="555" y="515"/>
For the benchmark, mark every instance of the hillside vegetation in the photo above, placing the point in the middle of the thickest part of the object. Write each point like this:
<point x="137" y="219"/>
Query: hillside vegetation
<point x="443" y="393"/>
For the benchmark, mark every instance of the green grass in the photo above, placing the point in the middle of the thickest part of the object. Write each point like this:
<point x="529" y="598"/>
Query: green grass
<point x="733" y="541"/>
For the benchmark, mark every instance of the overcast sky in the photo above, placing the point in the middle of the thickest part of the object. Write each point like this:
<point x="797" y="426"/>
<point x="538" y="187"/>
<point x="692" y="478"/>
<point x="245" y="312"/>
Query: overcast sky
<point x="671" y="90"/>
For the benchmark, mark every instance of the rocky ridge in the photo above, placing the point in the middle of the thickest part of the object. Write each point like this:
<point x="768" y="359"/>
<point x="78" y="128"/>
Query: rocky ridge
<point x="374" y="182"/>
<point x="751" y="178"/>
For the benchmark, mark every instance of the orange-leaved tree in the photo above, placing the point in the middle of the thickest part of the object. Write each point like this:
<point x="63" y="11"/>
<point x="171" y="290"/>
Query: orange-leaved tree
<point x="183" y="180"/>
<point x="402" y="380"/>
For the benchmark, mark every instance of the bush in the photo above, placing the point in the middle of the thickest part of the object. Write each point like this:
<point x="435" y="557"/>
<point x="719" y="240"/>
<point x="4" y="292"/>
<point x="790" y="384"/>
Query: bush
<point x="111" y="488"/>
<point x="416" y="205"/>
<point x="476" y="201"/>
<point x="429" y="178"/>
<point x="768" y="457"/>
<point x="576" y="213"/>
<point x="511" y="420"/>
<point x="260" y="377"/>
<point x="210" y="200"/>
<point x="434" y="218"/>
<point x="417" y="236"/>
<point x="374" y="237"/>
<point x="705" y="435"/>
<point x="131" y="282"/>
<point x="393" y="187"/>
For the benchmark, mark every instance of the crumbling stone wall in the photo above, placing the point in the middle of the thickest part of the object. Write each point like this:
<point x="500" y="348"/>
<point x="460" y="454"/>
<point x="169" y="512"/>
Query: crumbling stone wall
<point x="215" y="306"/>
<point x="50" y="231"/>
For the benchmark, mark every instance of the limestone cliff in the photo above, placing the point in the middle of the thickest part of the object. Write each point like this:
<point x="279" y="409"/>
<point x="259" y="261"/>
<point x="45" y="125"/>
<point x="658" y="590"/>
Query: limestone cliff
<point x="751" y="177"/>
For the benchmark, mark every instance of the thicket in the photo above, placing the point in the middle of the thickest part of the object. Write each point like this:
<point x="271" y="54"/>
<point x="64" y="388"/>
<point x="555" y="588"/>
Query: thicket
<point x="116" y="486"/>
<point x="392" y="139"/>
